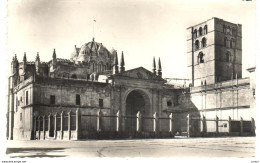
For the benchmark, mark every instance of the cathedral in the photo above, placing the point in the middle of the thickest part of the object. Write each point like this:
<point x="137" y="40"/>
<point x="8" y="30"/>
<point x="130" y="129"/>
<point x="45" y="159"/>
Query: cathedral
<point x="92" y="95"/>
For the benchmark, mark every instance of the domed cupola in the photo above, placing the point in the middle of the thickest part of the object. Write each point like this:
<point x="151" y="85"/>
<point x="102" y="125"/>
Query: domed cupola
<point x="91" y="51"/>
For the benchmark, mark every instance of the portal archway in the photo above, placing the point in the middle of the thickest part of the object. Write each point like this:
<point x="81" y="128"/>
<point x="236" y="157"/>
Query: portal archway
<point x="136" y="100"/>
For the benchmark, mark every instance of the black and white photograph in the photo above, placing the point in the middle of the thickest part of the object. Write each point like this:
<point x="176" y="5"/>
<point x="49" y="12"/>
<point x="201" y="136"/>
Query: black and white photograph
<point x="129" y="79"/>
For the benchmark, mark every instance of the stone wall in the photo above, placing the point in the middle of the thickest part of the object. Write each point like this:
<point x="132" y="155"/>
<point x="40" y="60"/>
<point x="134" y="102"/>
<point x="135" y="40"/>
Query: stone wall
<point x="230" y="98"/>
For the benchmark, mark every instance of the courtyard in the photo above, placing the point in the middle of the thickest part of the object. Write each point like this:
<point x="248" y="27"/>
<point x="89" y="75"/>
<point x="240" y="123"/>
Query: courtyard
<point x="240" y="147"/>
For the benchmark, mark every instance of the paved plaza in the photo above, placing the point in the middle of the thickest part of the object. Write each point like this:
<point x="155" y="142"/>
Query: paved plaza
<point x="177" y="147"/>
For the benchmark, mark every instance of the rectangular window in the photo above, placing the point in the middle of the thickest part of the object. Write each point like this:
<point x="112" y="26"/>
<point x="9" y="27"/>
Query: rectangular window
<point x="52" y="99"/>
<point x="26" y="98"/>
<point x="101" y="103"/>
<point x="77" y="99"/>
<point x="21" y="116"/>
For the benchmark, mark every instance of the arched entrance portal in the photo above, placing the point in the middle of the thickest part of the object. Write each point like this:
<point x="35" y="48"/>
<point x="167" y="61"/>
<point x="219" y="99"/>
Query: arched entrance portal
<point x="136" y="101"/>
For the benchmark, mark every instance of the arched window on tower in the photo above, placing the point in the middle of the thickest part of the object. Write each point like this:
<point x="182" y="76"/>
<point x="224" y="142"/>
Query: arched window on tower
<point x="234" y="31"/>
<point x="197" y="44"/>
<point x="225" y="42"/>
<point x="232" y="43"/>
<point x="200" y="31"/>
<point x="224" y="28"/>
<point x="204" y="42"/>
<point x="195" y="33"/>
<point x="228" y="57"/>
<point x="205" y="29"/>
<point x="200" y="58"/>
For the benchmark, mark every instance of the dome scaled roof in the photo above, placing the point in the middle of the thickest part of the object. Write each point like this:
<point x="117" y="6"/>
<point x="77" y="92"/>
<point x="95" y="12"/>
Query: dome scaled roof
<point x="90" y="49"/>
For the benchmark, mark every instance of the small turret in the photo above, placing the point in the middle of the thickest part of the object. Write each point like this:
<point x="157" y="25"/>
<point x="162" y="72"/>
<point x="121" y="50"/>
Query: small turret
<point x="116" y="64"/>
<point x="54" y="59"/>
<point x="22" y="77"/>
<point x="15" y="65"/>
<point x="37" y="64"/>
<point x="122" y="63"/>
<point x="159" y="72"/>
<point x="24" y="62"/>
<point x="154" y="66"/>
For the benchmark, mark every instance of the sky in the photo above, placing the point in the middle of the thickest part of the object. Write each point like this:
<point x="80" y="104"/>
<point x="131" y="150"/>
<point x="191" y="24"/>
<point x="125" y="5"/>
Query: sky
<point x="142" y="29"/>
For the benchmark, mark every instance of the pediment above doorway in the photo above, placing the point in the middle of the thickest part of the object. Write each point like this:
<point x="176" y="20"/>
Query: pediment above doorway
<point x="139" y="73"/>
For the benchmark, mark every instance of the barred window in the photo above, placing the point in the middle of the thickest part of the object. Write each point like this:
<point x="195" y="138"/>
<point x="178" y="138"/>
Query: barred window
<point x="101" y="103"/>
<point x="52" y="99"/>
<point x="77" y="99"/>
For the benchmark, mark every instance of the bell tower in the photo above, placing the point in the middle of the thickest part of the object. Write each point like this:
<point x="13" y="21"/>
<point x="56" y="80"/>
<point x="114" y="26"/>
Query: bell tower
<point x="214" y="52"/>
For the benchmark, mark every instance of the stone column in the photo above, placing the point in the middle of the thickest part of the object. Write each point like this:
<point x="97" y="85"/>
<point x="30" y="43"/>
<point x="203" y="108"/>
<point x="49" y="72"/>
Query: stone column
<point x="170" y="123"/>
<point x="241" y="126"/>
<point x="229" y="125"/>
<point x="138" y="122"/>
<point x="49" y="124"/>
<point x="69" y="130"/>
<point x="117" y="120"/>
<point x="43" y="125"/>
<point x="61" y="125"/>
<point x="155" y="116"/>
<point x="98" y="121"/>
<point x="77" y="119"/>
<point x="55" y="125"/>
<point x="34" y="127"/>
<point x="188" y="125"/>
<point x="204" y="123"/>
<point x="252" y="127"/>
<point x="78" y="123"/>
<point x="39" y="127"/>
<point x="217" y="119"/>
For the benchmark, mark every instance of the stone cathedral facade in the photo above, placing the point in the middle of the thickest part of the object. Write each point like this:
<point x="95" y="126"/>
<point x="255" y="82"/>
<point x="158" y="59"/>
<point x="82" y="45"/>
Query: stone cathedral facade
<point x="91" y="95"/>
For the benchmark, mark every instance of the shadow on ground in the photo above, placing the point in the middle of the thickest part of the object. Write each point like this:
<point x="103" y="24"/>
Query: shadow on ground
<point x="33" y="152"/>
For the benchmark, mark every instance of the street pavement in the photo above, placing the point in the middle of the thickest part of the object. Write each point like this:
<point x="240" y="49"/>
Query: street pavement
<point x="177" y="147"/>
